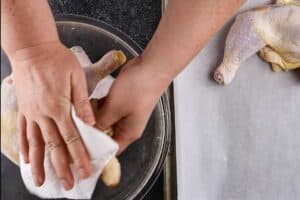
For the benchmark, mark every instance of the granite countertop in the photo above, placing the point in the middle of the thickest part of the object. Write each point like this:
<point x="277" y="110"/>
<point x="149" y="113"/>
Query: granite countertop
<point x="136" y="18"/>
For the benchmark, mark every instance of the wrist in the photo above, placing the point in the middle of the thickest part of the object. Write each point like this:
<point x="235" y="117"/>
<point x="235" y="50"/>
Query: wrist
<point x="156" y="80"/>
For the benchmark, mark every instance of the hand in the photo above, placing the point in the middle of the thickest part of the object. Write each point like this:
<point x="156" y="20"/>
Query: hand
<point x="130" y="102"/>
<point x="48" y="79"/>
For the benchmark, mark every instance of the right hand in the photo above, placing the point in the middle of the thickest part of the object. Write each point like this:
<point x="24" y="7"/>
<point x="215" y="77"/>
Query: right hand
<point x="130" y="101"/>
<point x="48" y="80"/>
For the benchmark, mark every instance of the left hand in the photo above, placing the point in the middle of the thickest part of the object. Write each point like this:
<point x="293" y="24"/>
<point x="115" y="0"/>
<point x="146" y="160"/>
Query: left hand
<point x="130" y="102"/>
<point x="48" y="79"/>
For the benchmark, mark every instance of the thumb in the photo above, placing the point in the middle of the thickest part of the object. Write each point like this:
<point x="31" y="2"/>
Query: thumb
<point x="80" y="98"/>
<point x="128" y="130"/>
<point x="107" y="115"/>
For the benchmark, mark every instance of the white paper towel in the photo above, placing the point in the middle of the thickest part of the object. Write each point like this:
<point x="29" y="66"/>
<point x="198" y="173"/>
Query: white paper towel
<point x="101" y="149"/>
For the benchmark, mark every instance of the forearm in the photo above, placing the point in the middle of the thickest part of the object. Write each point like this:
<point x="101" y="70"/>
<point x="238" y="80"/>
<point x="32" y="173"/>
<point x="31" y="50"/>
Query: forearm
<point x="26" y="24"/>
<point x="184" y="30"/>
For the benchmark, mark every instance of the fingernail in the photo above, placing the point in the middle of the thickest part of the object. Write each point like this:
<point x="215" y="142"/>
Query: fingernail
<point x="26" y="160"/>
<point x="83" y="173"/>
<point x="66" y="184"/>
<point x="38" y="181"/>
<point x="10" y="81"/>
<point x="90" y="120"/>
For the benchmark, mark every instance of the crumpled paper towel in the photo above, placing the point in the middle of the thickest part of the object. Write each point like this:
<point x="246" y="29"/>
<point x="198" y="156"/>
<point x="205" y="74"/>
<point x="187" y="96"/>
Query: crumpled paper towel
<point x="101" y="149"/>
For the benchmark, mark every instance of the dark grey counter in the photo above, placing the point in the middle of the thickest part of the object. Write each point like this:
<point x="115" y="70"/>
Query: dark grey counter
<point x="136" y="18"/>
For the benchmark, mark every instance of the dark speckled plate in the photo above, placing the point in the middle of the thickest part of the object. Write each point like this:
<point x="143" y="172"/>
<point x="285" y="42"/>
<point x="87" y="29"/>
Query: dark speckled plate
<point x="141" y="162"/>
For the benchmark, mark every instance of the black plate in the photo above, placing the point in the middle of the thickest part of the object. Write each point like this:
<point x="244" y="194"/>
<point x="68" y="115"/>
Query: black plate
<point x="141" y="162"/>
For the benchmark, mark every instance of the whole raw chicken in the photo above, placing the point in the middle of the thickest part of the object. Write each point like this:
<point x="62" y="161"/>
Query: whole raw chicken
<point x="94" y="72"/>
<point x="273" y="30"/>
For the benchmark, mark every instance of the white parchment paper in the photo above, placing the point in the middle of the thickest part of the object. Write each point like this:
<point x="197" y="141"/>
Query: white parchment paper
<point x="241" y="141"/>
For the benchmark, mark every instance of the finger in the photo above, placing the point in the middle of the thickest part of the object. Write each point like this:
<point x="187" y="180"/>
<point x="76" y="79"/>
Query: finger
<point x="23" y="143"/>
<point x="58" y="152"/>
<point x="36" y="152"/>
<point x="94" y="104"/>
<point x="75" y="146"/>
<point x="128" y="130"/>
<point x="80" y="98"/>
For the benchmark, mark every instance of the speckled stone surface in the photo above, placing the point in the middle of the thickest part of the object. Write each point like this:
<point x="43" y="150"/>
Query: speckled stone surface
<point x="136" y="18"/>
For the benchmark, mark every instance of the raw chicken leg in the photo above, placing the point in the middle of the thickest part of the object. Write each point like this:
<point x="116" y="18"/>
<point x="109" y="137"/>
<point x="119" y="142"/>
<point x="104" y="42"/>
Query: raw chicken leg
<point x="273" y="29"/>
<point x="289" y="2"/>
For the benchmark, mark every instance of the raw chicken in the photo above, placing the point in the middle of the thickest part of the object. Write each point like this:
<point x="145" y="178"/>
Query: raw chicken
<point x="274" y="30"/>
<point x="94" y="72"/>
